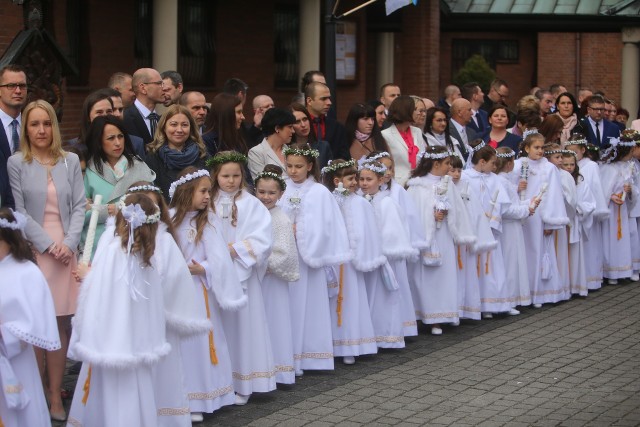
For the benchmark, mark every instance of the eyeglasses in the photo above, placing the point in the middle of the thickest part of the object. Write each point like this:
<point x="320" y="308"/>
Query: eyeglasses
<point x="502" y="95"/>
<point x="14" y="86"/>
<point x="159" y="83"/>
<point x="611" y="111"/>
<point x="420" y="111"/>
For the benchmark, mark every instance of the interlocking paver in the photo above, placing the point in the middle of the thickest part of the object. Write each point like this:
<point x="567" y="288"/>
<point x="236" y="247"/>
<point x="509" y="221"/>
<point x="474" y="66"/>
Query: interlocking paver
<point x="561" y="365"/>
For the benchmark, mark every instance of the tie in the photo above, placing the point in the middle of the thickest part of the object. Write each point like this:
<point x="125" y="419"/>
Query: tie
<point x="475" y="120"/>
<point x="15" y="138"/>
<point x="598" y="134"/>
<point x="153" y="123"/>
<point x="462" y="147"/>
<point x="318" y="123"/>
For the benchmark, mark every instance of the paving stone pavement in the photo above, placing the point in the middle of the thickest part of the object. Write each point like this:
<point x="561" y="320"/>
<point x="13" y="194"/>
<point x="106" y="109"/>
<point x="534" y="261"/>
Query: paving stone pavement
<point x="575" y="363"/>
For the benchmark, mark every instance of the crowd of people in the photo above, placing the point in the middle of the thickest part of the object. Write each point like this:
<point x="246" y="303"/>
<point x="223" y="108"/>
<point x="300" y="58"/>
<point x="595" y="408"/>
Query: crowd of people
<point x="189" y="259"/>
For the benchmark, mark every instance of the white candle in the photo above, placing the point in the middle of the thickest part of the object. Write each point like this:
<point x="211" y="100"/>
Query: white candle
<point x="524" y="176"/>
<point x="91" y="232"/>
<point x="340" y="187"/>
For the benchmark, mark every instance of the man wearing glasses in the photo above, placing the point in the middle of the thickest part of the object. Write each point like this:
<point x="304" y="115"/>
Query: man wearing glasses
<point x="13" y="96"/>
<point x="597" y="129"/>
<point x="141" y="118"/>
<point x="498" y="94"/>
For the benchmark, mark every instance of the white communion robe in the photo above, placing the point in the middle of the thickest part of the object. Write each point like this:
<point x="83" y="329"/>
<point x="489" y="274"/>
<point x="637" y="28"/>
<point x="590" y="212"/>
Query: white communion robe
<point x="512" y="242"/>
<point x="496" y="295"/>
<point x="593" y="244"/>
<point x="27" y="319"/>
<point x="322" y="241"/>
<point x="206" y="362"/>
<point x="634" y="221"/>
<point x="397" y="248"/>
<point x="435" y="294"/>
<point x="125" y="318"/>
<point x="616" y="235"/>
<point x="246" y="329"/>
<point x="282" y="268"/>
<point x="578" y="229"/>
<point x="353" y="332"/>
<point x="550" y="215"/>
<point x="468" y="256"/>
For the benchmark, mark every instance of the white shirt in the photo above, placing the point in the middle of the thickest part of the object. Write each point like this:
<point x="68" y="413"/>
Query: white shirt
<point x="145" y="112"/>
<point x="8" y="129"/>
<point x="462" y="131"/>
<point x="599" y="125"/>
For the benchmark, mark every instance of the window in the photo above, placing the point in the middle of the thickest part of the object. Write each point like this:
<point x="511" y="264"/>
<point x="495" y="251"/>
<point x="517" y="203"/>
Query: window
<point x="286" y="26"/>
<point x="142" y="45"/>
<point x="196" y="45"/>
<point x="493" y="51"/>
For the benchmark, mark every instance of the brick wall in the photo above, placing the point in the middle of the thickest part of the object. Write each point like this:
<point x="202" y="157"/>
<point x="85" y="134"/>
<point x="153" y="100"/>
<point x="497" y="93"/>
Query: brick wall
<point x="417" y="50"/>
<point x="520" y="75"/>
<point x="599" y="59"/>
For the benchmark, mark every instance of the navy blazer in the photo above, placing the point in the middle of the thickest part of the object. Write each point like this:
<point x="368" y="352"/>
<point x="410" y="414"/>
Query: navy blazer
<point x="471" y="135"/>
<point x="483" y="122"/>
<point x="6" y="196"/>
<point x="135" y="125"/>
<point x="512" y="141"/>
<point x="611" y="130"/>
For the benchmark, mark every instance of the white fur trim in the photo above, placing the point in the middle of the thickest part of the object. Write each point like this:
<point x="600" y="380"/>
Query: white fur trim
<point x="370" y="265"/>
<point x="121" y="361"/>
<point x="556" y="220"/>
<point x="185" y="327"/>
<point x="484" y="247"/>
<point x="233" y="305"/>
<point x="401" y="254"/>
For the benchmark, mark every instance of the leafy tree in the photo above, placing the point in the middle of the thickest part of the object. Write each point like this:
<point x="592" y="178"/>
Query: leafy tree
<point x="475" y="69"/>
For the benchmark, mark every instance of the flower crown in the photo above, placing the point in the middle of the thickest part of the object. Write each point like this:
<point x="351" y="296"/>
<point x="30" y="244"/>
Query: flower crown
<point x="479" y="147"/>
<point x="528" y="132"/>
<point x="372" y="166"/>
<point x="552" y="152"/>
<point x="231" y="157"/>
<point x="593" y="147"/>
<point x="569" y="152"/>
<point x="379" y="156"/>
<point x="19" y="223"/>
<point x="332" y="167"/>
<point x="619" y="142"/>
<point x="306" y="152"/>
<point x="145" y="187"/>
<point x="433" y="156"/>
<point x="189" y="177"/>
<point x="267" y="174"/>
<point x="581" y="141"/>
<point x="506" y="155"/>
<point x="630" y="135"/>
<point x="135" y="215"/>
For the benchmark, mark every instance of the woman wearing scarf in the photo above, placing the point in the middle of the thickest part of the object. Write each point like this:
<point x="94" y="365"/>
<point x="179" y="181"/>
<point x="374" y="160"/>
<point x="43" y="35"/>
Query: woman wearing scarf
<point x="363" y="132"/>
<point x="176" y="146"/>
<point x="567" y="108"/>
<point x="112" y="166"/>
<point x="404" y="141"/>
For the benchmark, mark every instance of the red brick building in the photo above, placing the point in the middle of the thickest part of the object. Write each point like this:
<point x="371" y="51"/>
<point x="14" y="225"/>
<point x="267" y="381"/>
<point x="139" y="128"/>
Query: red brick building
<point x="269" y="44"/>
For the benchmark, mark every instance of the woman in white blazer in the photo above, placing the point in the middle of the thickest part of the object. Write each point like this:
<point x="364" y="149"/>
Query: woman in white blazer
<point x="404" y="141"/>
<point x="277" y="127"/>
<point x="48" y="188"/>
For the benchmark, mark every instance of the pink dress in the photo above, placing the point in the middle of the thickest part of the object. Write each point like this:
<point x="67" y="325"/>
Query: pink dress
<point x="64" y="288"/>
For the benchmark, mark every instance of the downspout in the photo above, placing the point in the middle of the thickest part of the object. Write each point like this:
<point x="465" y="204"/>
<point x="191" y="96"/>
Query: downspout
<point x="578" y="74"/>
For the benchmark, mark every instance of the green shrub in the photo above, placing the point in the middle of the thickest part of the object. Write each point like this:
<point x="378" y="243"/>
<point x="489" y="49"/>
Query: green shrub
<point x="475" y="69"/>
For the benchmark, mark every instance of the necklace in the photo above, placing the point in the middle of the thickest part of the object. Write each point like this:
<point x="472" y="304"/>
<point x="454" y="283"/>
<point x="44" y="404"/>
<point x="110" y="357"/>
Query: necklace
<point x="42" y="162"/>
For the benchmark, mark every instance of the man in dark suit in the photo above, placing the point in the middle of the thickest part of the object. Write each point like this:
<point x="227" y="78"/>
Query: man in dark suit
<point x="459" y="125"/>
<point x="118" y="111"/>
<point x="479" y="122"/>
<point x="141" y="118"/>
<point x="13" y="96"/>
<point x="451" y="93"/>
<point x="318" y="101"/>
<point x="498" y="94"/>
<point x="598" y="130"/>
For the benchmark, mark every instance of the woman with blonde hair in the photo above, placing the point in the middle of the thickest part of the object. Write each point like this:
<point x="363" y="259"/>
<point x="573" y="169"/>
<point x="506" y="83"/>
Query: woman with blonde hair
<point x="177" y="144"/>
<point x="48" y="189"/>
